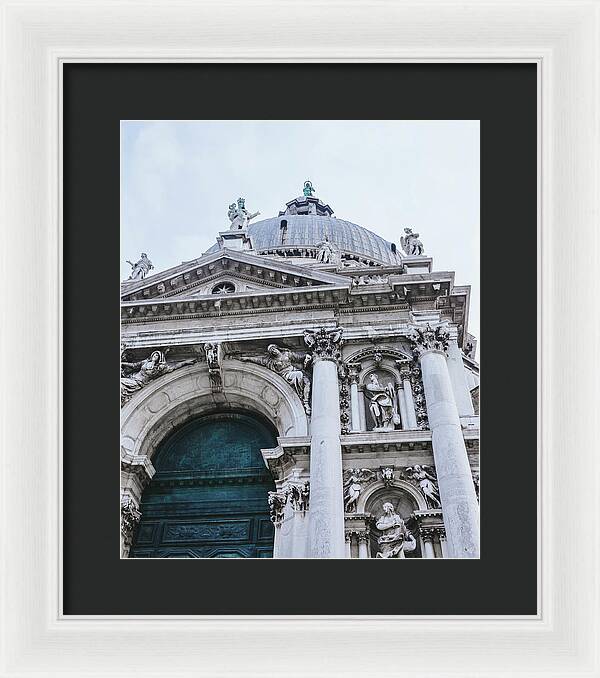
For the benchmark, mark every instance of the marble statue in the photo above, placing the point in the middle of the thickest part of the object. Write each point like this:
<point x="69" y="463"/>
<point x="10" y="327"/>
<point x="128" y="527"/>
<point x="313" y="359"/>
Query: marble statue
<point x="291" y="366"/>
<point x="411" y="244"/>
<point x="427" y="483"/>
<point x="239" y="215"/>
<point x="140" y="269"/>
<point x="325" y="253"/>
<point x="308" y="189"/>
<point x="354" y="479"/>
<point x="381" y="404"/>
<point x="395" y="538"/>
<point x="144" y="371"/>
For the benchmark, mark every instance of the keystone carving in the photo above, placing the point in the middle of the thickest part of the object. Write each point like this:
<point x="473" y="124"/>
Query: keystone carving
<point x="214" y="357"/>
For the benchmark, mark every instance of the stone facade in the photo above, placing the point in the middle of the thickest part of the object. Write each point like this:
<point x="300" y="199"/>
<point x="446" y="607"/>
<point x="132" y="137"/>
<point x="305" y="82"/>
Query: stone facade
<point x="357" y="356"/>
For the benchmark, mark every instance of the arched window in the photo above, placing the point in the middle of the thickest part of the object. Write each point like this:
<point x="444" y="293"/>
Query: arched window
<point x="208" y="498"/>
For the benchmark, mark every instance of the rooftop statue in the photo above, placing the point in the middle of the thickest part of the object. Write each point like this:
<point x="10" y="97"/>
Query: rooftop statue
<point x="239" y="215"/>
<point x="140" y="269"/>
<point x="411" y="244"/>
<point x="395" y="537"/>
<point x="308" y="189"/>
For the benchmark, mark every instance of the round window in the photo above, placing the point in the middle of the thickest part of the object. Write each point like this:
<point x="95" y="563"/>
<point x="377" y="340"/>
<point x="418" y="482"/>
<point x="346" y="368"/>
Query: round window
<point x="223" y="288"/>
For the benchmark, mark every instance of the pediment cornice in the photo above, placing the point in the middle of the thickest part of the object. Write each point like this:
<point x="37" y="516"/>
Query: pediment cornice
<point x="253" y="268"/>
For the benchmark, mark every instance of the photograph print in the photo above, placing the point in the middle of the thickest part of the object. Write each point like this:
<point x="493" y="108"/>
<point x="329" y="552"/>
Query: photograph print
<point x="299" y="363"/>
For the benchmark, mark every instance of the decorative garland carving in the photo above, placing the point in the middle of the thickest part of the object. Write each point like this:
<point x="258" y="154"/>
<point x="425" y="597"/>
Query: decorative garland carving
<point x="344" y="404"/>
<point x="416" y="382"/>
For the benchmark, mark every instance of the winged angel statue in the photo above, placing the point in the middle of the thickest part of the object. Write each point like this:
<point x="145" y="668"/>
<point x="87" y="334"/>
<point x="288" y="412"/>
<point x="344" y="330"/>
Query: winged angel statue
<point x="427" y="482"/>
<point x="354" y="479"/>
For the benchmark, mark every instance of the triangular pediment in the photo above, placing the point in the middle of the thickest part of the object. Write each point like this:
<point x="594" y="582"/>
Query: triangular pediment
<point x="235" y="272"/>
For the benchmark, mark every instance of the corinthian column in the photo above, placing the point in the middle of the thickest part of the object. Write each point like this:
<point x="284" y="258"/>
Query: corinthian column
<point x="457" y="493"/>
<point x="326" y="513"/>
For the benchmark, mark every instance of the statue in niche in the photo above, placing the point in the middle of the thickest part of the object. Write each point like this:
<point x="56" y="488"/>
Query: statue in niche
<point x="291" y="366"/>
<point x="326" y="252"/>
<point x="427" y="483"/>
<point x="308" y="189"/>
<point x="381" y="404"/>
<point x="144" y="371"/>
<point x="411" y="244"/>
<point x="239" y="215"/>
<point x="354" y="479"/>
<point x="395" y="537"/>
<point x="141" y="268"/>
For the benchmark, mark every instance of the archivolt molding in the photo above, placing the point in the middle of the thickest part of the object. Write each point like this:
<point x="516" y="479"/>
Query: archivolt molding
<point x="169" y="401"/>
<point x="397" y="484"/>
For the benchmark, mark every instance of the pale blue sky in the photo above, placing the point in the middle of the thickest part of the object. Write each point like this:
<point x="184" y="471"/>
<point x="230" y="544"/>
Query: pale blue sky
<point x="178" y="179"/>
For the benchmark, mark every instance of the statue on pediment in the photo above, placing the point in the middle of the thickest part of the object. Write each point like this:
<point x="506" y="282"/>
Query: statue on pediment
<point x="396" y="539"/>
<point x="141" y="268"/>
<point x="239" y="215"/>
<point x="411" y="244"/>
<point x="143" y="372"/>
<point x="289" y="365"/>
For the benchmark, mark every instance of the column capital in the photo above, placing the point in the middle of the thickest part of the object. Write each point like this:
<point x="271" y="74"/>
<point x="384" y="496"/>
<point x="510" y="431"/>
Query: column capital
<point x="429" y="339"/>
<point x="325" y="344"/>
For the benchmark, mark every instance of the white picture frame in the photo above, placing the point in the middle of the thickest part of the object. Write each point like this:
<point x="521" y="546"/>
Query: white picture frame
<point x="562" y="37"/>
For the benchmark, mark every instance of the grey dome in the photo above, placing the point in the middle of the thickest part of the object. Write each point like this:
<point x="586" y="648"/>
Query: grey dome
<point x="311" y="229"/>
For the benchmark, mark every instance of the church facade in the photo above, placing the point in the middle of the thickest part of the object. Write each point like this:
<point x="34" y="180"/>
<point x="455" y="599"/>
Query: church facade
<point x="304" y="389"/>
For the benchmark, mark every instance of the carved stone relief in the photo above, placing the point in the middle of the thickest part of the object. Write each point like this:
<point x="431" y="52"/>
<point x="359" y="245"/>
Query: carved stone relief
<point x="355" y="479"/>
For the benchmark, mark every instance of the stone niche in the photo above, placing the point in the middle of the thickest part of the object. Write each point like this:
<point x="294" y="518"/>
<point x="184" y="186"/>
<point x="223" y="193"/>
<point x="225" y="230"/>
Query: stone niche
<point x="386" y="379"/>
<point x="405" y="506"/>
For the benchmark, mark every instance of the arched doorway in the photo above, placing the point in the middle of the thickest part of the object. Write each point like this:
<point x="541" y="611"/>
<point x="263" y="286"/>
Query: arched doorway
<point x="208" y="498"/>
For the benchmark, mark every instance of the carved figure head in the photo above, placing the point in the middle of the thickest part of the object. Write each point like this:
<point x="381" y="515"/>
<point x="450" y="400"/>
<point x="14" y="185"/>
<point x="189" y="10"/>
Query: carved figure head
<point x="374" y="380"/>
<point x="274" y="350"/>
<point x="388" y="508"/>
<point x="241" y="203"/>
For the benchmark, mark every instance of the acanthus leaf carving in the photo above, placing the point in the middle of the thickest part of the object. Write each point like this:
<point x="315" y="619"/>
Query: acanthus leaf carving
<point x="429" y="338"/>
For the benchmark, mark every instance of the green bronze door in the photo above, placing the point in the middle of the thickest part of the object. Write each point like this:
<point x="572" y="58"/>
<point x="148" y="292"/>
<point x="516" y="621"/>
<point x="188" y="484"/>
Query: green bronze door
<point x="208" y="498"/>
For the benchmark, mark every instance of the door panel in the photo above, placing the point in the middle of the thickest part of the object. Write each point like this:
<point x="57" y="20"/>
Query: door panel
<point x="208" y="498"/>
